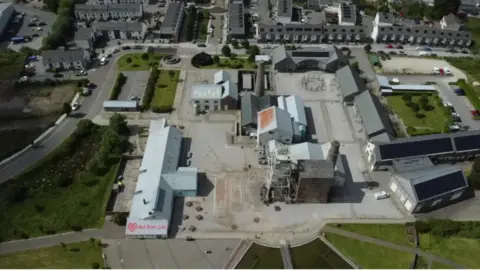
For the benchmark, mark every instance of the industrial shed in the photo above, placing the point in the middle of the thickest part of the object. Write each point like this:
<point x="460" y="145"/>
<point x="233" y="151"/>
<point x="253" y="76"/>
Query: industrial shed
<point x="315" y="178"/>
<point x="350" y="84"/>
<point x="274" y="124"/>
<point x="373" y="117"/>
<point x="120" y="105"/>
<point x="421" y="191"/>
<point x="159" y="181"/>
<point x="296" y="108"/>
<point x="250" y="106"/>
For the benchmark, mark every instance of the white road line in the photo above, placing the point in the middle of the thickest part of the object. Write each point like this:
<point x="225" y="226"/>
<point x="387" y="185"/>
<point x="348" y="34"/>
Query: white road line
<point x="214" y="194"/>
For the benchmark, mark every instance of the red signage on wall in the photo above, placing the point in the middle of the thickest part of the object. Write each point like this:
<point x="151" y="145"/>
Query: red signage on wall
<point x="133" y="226"/>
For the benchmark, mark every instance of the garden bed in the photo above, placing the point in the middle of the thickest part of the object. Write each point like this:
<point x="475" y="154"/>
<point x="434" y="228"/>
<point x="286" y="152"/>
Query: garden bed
<point x="261" y="257"/>
<point x="61" y="192"/>
<point x="138" y="61"/>
<point x="165" y="90"/>
<point x="81" y="255"/>
<point x="237" y="63"/>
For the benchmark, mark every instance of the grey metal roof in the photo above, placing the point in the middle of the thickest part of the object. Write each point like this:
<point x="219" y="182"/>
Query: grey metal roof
<point x="52" y="56"/>
<point x="127" y="7"/>
<point x="315" y="168"/>
<point x="122" y="26"/>
<point x="386" y="18"/>
<point x="452" y="21"/>
<point x="349" y="13"/>
<point x="174" y="11"/>
<point x="423" y="185"/>
<point x="120" y="104"/>
<point x="284" y="8"/>
<point x="236" y="15"/>
<point x="367" y="110"/>
<point x="83" y="33"/>
<point x="312" y="29"/>
<point x="323" y="56"/>
<point x="350" y="82"/>
<point x="251" y="105"/>
<point x="91" y="8"/>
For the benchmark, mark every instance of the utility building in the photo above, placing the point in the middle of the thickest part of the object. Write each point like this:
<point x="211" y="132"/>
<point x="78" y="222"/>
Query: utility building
<point x="296" y="108"/>
<point x="251" y="105"/>
<point x="274" y="124"/>
<point x="315" y="178"/>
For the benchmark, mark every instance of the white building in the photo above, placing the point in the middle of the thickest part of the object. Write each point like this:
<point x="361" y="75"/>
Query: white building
<point x="108" y="12"/>
<point x="6" y="12"/>
<point x="159" y="181"/>
<point x="274" y="124"/>
<point x="221" y="95"/>
<point x="66" y="60"/>
<point x="109" y="2"/>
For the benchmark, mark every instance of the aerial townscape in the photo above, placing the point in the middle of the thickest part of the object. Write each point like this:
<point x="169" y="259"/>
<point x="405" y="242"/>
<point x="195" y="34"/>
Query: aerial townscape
<point x="240" y="134"/>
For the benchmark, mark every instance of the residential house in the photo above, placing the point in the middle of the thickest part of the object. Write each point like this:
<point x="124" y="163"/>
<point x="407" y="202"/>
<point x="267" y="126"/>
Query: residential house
<point x="108" y="12"/>
<point x="77" y="59"/>
<point x="121" y="30"/>
<point x="172" y="23"/>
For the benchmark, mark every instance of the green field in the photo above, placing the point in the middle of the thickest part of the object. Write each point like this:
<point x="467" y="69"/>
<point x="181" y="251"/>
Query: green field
<point x="73" y="256"/>
<point x="11" y="64"/>
<point x="137" y="62"/>
<point x="316" y="255"/>
<point x="473" y="25"/>
<point x="439" y="265"/>
<point x="394" y="233"/>
<point x="261" y="257"/>
<point x="368" y="255"/>
<point x="61" y="192"/>
<point x="237" y="63"/>
<point x="463" y="251"/>
<point x="165" y="90"/>
<point x="429" y="122"/>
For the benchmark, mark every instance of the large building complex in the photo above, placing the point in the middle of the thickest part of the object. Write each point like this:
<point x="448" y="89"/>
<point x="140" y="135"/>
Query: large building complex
<point x="236" y="20"/>
<point x="172" y="23"/>
<point x="159" y="181"/>
<point x="329" y="59"/>
<point x="6" y="12"/>
<point x="447" y="32"/>
<point x="109" y="2"/>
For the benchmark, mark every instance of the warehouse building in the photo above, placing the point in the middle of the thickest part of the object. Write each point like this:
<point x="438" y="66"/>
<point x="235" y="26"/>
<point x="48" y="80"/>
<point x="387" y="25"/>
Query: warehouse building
<point x="250" y="106"/>
<point x="6" y="12"/>
<point x="350" y="83"/>
<point x="274" y="124"/>
<point x="328" y="59"/>
<point x="159" y="181"/>
<point x="221" y="95"/>
<point x="296" y="108"/>
<point x="434" y="187"/>
<point x="172" y="23"/>
<point x="388" y="89"/>
<point x="236" y="20"/>
<point x="373" y="117"/>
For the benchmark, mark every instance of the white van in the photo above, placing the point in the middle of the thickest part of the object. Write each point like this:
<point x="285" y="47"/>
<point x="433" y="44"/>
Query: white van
<point x="423" y="53"/>
<point x="103" y="61"/>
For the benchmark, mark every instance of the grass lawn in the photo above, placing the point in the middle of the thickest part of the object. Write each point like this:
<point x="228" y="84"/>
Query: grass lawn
<point x="51" y="197"/>
<point x="165" y="89"/>
<point x="368" y="255"/>
<point x="14" y="140"/>
<point x="203" y="25"/>
<point x="433" y="121"/>
<point x="75" y="256"/>
<point x="11" y="64"/>
<point x="316" y="255"/>
<point x="137" y="62"/>
<point x="460" y="250"/>
<point x="422" y="263"/>
<point x="394" y="233"/>
<point x="261" y="257"/>
<point x="238" y="63"/>
<point x="439" y="265"/>
<point x="473" y="25"/>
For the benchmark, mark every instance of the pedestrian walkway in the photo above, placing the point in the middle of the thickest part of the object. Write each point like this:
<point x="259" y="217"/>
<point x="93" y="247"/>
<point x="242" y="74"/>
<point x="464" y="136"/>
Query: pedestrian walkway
<point x="49" y="241"/>
<point x="390" y="245"/>
<point x="238" y="254"/>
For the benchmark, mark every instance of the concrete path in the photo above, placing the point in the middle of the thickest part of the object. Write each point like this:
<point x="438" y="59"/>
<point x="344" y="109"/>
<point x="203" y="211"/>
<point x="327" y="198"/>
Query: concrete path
<point x="49" y="241"/>
<point x="287" y="260"/>
<point x="238" y="254"/>
<point x="386" y="244"/>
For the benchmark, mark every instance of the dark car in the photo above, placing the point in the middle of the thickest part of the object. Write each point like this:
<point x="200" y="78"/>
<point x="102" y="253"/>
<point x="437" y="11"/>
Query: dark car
<point x="126" y="48"/>
<point x="42" y="24"/>
<point x="393" y="53"/>
<point x="452" y="50"/>
<point x="383" y="58"/>
<point x="399" y="46"/>
<point x="464" y="51"/>
<point x="434" y="55"/>
<point x="381" y="52"/>
<point x="138" y="47"/>
<point x="402" y="53"/>
<point x="57" y="75"/>
<point x="35" y="35"/>
<point x="31" y="24"/>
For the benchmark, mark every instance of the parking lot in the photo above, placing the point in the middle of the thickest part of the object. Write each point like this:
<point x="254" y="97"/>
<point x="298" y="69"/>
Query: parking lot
<point x="40" y="25"/>
<point x="135" y="85"/>
<point x="419" y="66"/>
<point x="172" y="253"/>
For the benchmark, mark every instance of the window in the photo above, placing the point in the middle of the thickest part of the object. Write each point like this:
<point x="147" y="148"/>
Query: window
<point x="216" y="101"/>
<point x="261" y="29"/>
<point x="271" y="30"/>
<point x="298" y="29"/>
<point x="334" y="30"/>
<point x="391" y="28"/>
<point x="416" y="31"/>
<point x="308" y="29"/>
<point x="352" y="30"/>
<point x="449" y="34"/>
<point x="197" y="102"/>
<point x="442" y="33"/>
<point x="289" y="29"/>
<point x="400" y="29"/>
<point x="343" y="30"/>
<point x="361" y="30"/>
<point x="207" y="107"/>
<point x="382" y="29"/>
<point x="317" y="29"/>
<point x="408" y="29"/>
<point x="434" y="32"/>
<point x="425" y="31"/>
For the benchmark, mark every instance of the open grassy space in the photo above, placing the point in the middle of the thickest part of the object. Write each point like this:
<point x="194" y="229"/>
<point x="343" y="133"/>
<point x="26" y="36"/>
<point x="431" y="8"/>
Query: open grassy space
<point x="439" y="265"/>
<point x="11" y="64"/>
<point x="165" y="89"/>
<point x="261" y="257"/>
<point x="461" y="250"/>
<point x="430" y="122"/>
<point x="14" y="140"/>
<point x="394" y="233"/>
<point x="136" y="61"/>
<point x="368" y="255"/>
<point x="421" y="263"/>
<point x="74" y="256"/>
<point x="473" y="25"/>
<point x="237" y="63"/>
<point x="316" y="255"/>
<point x="61" y="192"/>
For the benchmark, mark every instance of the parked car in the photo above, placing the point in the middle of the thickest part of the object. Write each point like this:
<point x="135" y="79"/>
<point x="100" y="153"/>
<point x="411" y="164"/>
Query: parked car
<point x="42" y="24"/>
<point x="135" y="98"/>
<point x="389" y="46"/>
<point x="454" y="128"/>
<point x="402" y="53"/>
<point x="75" y="106"/>
<point x="83" y="72"/>
<point x="126" y="48"/>
<point x="381" y="195"/>
<point x="388" y="57"/>
<point x="32" y="24"/>
<point x="459" y="92"/>
<point x="57" y="75"/>
<point x="475" y="112"/>
<point x="464" y="51"/>
<point x="393" y="53"/>
<point x="399" y="46"/>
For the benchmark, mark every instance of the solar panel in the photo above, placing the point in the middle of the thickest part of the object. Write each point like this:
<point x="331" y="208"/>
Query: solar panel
<point x="310" y="54"/>
<point x="440" y="185"/>
<point x="416" y="148"/>
<point x="465" y="143"/>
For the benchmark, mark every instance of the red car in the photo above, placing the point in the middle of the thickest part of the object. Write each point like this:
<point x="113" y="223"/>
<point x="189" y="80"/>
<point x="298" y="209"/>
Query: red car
<point x="475" y="112"/>
<point x="389" y="46"/>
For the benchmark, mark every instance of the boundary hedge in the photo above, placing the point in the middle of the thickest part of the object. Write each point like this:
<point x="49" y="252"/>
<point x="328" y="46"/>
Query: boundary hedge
<point x="150" y="91"/>
<point x="117" y="88"/>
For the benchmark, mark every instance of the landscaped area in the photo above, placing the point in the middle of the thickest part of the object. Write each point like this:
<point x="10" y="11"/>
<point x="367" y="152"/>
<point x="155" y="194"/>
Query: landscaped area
<point x="239" y="62"/>
<point x="316" y="255"/>
<point x="421" y="113"/>
<point x="368" y="255"/>
<point x="473" y="25"/>
<point x="261" y="257"/>
<point x="165" y="89"/>
<point x="394" y="233"/>
<point x="11" y="64"/>
<point x="81" y="255"/>
<point x="203" y="19"/>
<point x="138" y="61"/>
<point x="68" y="189"/>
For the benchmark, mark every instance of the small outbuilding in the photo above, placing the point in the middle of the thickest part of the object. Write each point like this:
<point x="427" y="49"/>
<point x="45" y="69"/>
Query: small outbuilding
<point x="120" y="105"/>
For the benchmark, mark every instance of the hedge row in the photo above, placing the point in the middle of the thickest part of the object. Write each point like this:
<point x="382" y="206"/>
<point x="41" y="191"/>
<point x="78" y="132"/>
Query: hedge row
<point x="117" y="88"/>
<point x="150" y="91"/>
<point x="470" y="93"/>
<point x="447" y="228"/>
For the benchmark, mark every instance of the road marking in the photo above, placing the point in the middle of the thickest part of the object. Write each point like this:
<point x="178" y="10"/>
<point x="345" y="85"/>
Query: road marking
<point x="215" y="194"/>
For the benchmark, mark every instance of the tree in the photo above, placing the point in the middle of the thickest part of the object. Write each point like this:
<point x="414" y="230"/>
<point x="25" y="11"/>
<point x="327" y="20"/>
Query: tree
<point x="145" y="56"/>
<point x="226" y="51"/>
<point x="216" y="59"/>
<point x="171" y="73"/>
<point x="245" y="44"/>
<point x="407" y="97"/>
<point x="367" y="48"/>
<point x="424" y="99"/>
<point x="128" y="60"/>
<point x="67" y="108"/>
<point x="444" y="7"/>
<point x="63" y="245"/>
<point x="253" y="50"/>
<point x="354" y="65"/>
<point x="118" y="124"/>
<point x="95" y="265"/>
<point x="235" y="43"/>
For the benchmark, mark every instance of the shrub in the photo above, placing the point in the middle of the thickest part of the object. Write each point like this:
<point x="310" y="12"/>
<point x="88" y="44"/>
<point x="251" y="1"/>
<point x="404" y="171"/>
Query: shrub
<point x="117" y="87"/>
<point x="120" y="219"/>
<point x="407" y="97"/>
<point x="420" y="115"/>
<point x="145" y="56"/>
<point x="95" y="265"/>
<point x="411" y="130"/>
<point x="77" y="228"/>
<point x="414" y="106"/>
<point x="150" y="89"/>
<point x="128" y="60"/>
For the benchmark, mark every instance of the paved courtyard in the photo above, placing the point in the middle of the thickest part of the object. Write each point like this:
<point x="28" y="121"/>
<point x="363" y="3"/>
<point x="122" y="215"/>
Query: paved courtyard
<point x="135" y="85"/>
<point x="172" y="253"/>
